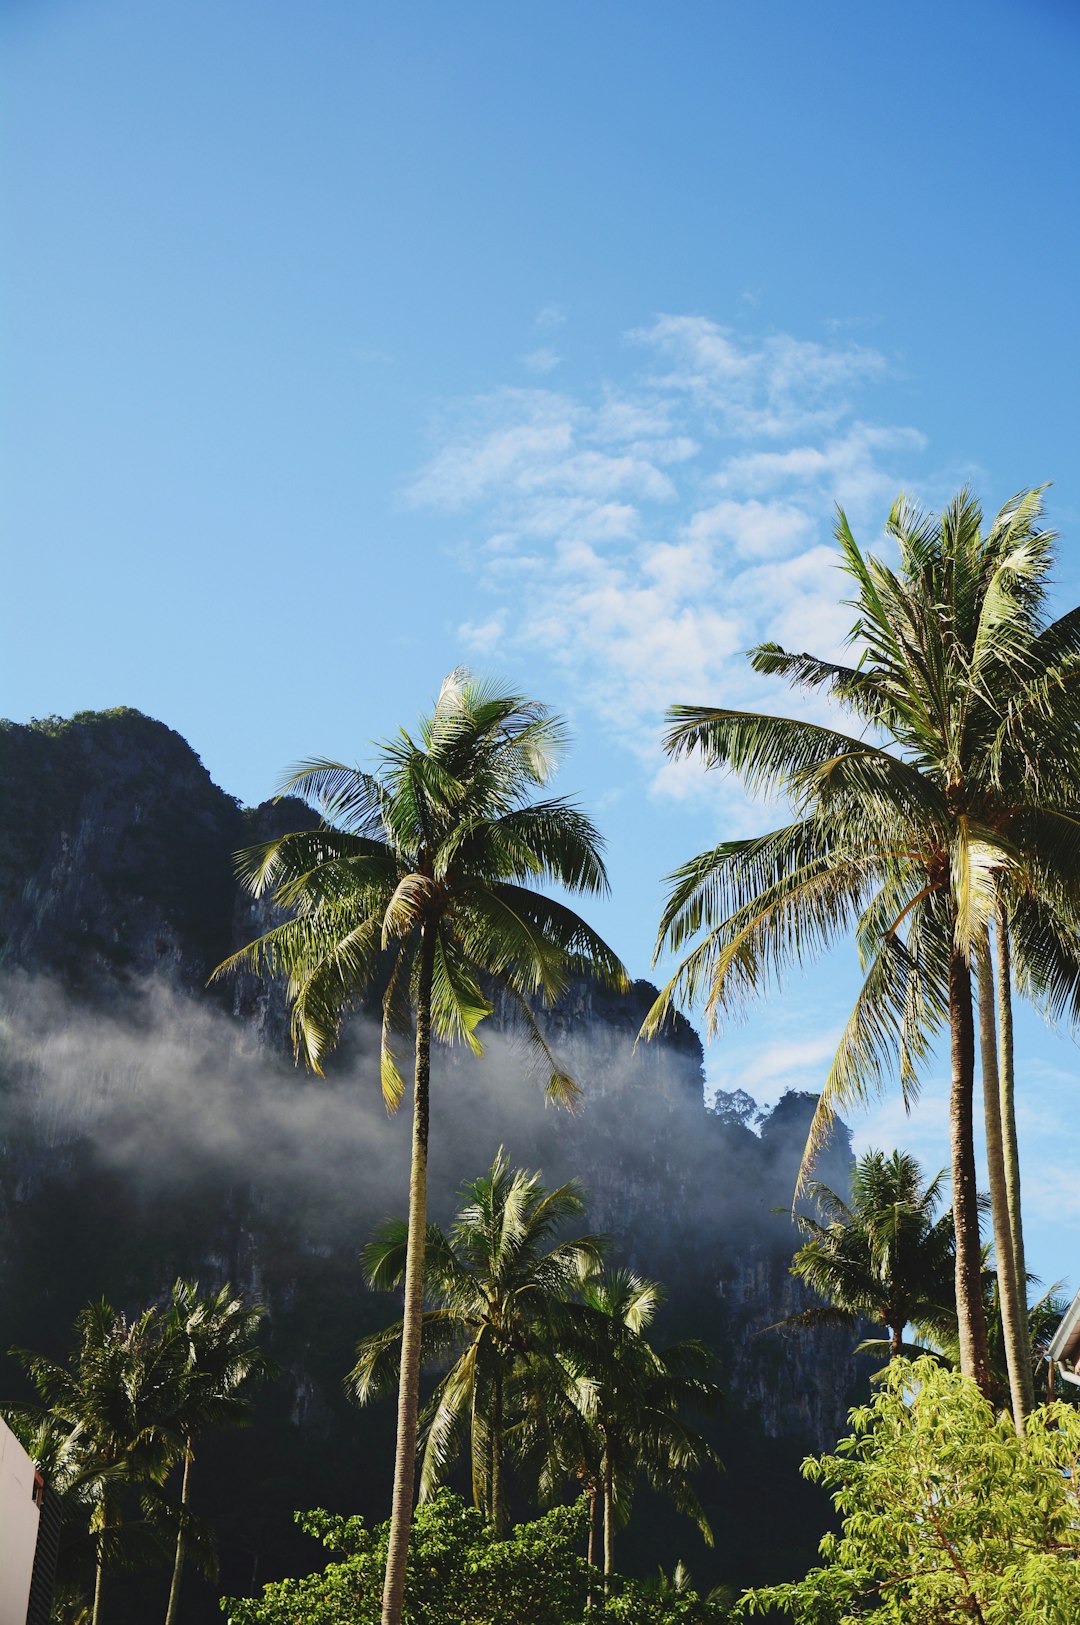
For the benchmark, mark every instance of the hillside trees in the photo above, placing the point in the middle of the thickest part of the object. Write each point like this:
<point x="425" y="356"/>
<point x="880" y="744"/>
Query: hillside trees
<point x="421" y="884"/>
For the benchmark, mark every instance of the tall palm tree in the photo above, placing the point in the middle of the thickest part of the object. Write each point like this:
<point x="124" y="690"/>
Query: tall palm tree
<point x="108" y="1420"/>
<point x="883" y="1255"/>
<point x="902" y="841"/>
<point x="212" y="1339"/>
<point x="421" y="882"/>
<point x="496" y="1282"/>
<point x="615" y="1405"/>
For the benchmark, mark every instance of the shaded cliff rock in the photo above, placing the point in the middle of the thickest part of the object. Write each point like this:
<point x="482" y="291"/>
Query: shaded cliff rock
<point x="115" y="853"/>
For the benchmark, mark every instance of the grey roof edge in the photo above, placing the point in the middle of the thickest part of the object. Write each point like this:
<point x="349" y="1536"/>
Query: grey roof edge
<point x="1065" y="1343"/>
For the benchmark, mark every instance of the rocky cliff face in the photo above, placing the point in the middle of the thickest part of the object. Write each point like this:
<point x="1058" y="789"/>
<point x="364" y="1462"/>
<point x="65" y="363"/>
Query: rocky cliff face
<point x="153" y="1128"/>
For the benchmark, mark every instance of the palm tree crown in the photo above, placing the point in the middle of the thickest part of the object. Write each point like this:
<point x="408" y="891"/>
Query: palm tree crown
<point x="884" y="1254"/>
<point x="424" y="874"/>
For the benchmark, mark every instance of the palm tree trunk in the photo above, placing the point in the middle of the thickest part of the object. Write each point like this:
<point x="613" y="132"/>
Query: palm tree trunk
<point x="409" y="1382"/>
<point x="590" y="1550"/>
<point x="497" y="1512"/>
<point x="609" y="1521"/>
<point x="971" y="1321"/>
<point x="99" y="1576"/>
<point x="1008" y="1294"/>
<point x="896" y="1342"/>
<point x="181" y="1540"/>
<point x="1009" y="1143"/>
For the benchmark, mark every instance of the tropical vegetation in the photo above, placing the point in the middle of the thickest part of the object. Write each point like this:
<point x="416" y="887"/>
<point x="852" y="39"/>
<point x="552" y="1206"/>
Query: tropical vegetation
<point x="421" y="883"/>
<point x="949" y="1515"/>
<point x="547" y="1355"/>
<point x="497" y="1282"/>
<point x="122" y="1415"/>
<point x="959" y="824"/>
<point x="462" y="1573"/>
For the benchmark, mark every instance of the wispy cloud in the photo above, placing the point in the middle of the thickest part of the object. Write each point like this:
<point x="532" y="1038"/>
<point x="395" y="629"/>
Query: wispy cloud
<point x="643" y="532"/>
<point x="542" y="360"/>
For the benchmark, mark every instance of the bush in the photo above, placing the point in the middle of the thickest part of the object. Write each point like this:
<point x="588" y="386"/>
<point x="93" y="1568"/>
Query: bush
<point x="948" y="1515"/>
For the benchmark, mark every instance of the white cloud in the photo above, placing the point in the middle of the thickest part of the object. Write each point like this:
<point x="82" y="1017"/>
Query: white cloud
<point x="549" y="316"/>
<point x="769" y="386"/>
<point x="642" y="534"/>
<point x="483" y="635"/>
<point x="542" y="360"/>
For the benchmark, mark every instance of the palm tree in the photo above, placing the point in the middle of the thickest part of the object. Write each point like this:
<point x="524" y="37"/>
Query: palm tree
<point x="905" y="842"/>
<point x="421" y="882"/>
<point x="884" y="1255"/>
<point x="106" y="1421"/>
<point x="628" y="1399"/>
<point x="216" y="1360"/>
<point x="496" y="1281"/>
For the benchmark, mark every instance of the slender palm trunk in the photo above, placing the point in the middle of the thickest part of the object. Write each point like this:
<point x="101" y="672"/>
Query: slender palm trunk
<point x="609" y="1520"/>
<point x="1008" y="1292"/>
<point x="896" y="1342"/>
<point x="409" y="1384"/>
<point x="181" y="1539"/>
<point x="1009" y="1143"/>
<point x="99" y="1576"/>
<point x="497" y="1511"/>
<point x="971" y="1321"/>
<point x="590" y="1551"/>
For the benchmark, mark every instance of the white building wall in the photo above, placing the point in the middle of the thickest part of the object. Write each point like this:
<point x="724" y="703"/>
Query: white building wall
<point x="18" y="1528"/>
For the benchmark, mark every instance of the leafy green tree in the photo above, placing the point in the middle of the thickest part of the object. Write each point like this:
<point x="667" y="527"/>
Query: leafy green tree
<point x="462" y="1573"/>
<point x="215" y="1358"/>
<point x="884" y="1255"/>
<point x="949" y="1514"/>
<point x="918" y="843"/>
<point x="495" y="1282"/>
<point x="422" y="882"/>
<point x="106" y="1425"/>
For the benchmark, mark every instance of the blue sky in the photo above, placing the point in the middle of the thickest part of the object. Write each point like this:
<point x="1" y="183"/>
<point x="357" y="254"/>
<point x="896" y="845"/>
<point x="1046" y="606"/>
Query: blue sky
<point x="346" y="342"/>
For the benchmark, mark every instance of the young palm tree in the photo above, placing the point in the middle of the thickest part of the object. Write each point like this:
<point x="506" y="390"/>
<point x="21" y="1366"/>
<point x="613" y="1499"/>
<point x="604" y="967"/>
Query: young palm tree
<point x="212" y="1339"/>
<point x="907" y="842"/>
<point x="421" y="881"/>
<point x="496" y="1282"/>
<point x="884" y="1255"/>
<point x="615" y="1410"/>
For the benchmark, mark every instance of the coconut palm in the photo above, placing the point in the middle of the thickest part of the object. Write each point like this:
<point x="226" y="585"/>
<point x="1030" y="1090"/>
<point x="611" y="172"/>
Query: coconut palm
<point x="496" y="1282"/>
<point x="902" y="841"/>
<point x="884" y="1255"/>
<point x="212" y="1340"/>
<point x="613" y="1407"/>
<point x="106" y="1423"/>
<point x="421" y="884"/>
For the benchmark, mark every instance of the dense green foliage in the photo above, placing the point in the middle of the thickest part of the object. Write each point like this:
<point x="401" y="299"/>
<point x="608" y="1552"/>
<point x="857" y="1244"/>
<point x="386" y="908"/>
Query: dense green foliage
<point x="949" y="1516"/>
<point x="461" y="1573"/>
